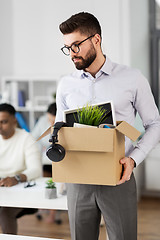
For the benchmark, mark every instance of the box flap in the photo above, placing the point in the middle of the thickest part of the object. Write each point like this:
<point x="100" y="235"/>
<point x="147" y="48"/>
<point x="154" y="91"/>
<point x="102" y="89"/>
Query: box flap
<point x="128" y="130"/>
<point x="86" y="139"/>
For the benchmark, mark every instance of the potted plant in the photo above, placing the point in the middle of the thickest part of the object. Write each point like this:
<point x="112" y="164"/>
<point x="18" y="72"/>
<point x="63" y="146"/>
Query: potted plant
<point x="90" y="115"/>
<point x="50" y="189"/>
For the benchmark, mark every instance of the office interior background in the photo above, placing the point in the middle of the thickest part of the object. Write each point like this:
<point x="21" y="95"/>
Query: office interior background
<point x="31" y="63"/>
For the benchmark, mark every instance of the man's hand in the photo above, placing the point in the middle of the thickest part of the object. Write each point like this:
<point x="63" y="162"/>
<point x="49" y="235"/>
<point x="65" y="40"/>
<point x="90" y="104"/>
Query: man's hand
<point x="128" y="164"/>
<point x="8" y="182"/>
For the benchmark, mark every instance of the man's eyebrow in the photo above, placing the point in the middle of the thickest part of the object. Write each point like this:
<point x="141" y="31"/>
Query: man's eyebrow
<point x="4" y="120"/>
<point x="71" y="44"/>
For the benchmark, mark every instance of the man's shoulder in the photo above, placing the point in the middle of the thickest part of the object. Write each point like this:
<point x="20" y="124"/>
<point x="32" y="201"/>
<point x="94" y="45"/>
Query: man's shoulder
<point x="129" y="76"/>
<point x="21" y="131"/>
<point x="24" y="138"/>
<point x="72" y="76"/>
<point x="23" y="134"/>
<point x="125" y="68"/>
<point x="69" y="80"/>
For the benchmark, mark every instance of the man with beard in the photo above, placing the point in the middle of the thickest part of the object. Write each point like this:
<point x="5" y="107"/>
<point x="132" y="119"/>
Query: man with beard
<point x="97" y="80"/>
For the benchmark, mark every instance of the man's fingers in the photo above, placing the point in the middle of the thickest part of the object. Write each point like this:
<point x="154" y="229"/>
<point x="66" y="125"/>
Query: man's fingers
<point x="122" y="161"/>
<point x="6" y="182"/>
<point x="124" y="179"/>
<point x="120" y="182"/>
<point x="127" y="163"/>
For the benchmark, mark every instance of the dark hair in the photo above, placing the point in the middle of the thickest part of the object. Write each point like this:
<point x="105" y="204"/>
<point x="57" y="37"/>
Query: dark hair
<point x="52" y="109"/>
<point x="5" y="107"/>
<point x="84" y="22"/>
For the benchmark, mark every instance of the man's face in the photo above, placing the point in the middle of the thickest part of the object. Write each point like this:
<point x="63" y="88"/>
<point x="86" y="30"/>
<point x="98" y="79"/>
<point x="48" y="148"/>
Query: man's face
<point x="7" y="124"/>
<point x="51" y="118"/>
<point x="87" y="54"/>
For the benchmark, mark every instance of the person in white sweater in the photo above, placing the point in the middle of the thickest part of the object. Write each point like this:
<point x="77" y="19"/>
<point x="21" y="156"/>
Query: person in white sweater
<point x="19" y="162"/>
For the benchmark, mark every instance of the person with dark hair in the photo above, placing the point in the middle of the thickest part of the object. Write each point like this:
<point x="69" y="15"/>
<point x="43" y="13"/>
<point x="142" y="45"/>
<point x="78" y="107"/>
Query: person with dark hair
<point x="44" y="122"/>
<point x="4" y="107"/>
<point x="52" y="109"/>
<point x="19" y="162"/>
<point x="97" y="80"/>
<point x="85" y="23"/>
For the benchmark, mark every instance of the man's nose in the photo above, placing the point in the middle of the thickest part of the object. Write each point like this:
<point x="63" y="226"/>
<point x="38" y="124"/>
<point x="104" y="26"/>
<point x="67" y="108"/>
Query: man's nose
<point x="72" y="54"/>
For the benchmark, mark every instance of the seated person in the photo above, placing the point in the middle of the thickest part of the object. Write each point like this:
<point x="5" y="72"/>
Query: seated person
<point x="44" y="122"/>
<point x="19" y="162"/>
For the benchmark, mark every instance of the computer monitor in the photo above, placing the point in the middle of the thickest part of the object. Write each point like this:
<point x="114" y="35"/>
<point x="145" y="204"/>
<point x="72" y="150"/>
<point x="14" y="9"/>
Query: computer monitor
<point x="70" y="115"/>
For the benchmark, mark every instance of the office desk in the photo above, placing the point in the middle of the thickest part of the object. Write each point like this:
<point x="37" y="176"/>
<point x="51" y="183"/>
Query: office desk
<point x="31" y="197"/>
<point x="18" y="237"/>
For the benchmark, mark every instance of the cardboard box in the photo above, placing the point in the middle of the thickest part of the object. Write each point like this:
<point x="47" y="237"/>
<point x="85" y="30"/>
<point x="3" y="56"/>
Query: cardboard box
<point x="92" y="154"/>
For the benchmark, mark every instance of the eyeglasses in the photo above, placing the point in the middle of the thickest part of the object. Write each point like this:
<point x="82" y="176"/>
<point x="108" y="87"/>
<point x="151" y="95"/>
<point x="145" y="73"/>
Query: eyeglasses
<point x="74" y="47"/>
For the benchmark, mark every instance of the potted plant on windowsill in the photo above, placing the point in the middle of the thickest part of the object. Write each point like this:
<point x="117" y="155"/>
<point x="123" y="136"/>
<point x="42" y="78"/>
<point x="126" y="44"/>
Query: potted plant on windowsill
<point x="50" y="189"/>
<point x="88" y="116"/>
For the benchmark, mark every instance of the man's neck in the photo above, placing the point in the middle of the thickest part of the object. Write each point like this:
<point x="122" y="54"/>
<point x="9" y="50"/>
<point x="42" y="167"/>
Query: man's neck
<point x="96" y="65"/>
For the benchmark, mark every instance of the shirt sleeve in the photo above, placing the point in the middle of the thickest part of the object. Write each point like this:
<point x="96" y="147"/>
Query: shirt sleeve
<point x="32" y="159"/>
<point x="145" y="105"/>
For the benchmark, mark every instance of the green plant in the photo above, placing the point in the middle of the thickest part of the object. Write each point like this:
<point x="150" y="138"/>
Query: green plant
<point x="50" y="184"/>
<point x="91" y="115"/>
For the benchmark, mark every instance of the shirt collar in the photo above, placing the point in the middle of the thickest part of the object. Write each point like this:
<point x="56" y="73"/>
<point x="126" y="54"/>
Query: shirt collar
<point x="105" y="69"/>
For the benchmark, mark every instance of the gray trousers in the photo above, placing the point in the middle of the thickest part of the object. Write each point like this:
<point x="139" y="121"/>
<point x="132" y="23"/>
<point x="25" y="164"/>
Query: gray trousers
<point x="117" y="204"/>
<point x="8" y="219"/>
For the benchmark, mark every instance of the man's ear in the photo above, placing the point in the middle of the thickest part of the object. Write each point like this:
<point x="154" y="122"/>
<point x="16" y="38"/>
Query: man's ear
<point x="15" y="121"/>
<point x="97" y="39"/>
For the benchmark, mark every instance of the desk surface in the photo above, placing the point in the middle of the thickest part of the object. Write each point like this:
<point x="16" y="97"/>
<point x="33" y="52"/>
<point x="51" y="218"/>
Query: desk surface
<point x="32" y="197"/>
<point x="18" y="237"/>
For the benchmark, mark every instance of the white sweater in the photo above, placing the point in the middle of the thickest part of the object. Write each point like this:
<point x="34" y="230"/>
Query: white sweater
<point x="19" y="154"/>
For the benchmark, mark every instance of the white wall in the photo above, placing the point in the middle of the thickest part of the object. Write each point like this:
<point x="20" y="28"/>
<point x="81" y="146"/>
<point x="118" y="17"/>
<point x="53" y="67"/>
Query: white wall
<point x="37" y="40"/>
<point x="34" y="41"/>
<point x="6" y="38"/>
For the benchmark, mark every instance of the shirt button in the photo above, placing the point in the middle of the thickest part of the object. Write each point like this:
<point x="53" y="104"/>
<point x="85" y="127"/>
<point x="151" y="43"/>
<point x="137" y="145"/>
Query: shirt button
<point x="94" y="97"/>
<point x="94" y="81"/>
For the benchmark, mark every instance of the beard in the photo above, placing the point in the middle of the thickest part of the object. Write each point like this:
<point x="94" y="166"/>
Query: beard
<point x="87" y="61"/>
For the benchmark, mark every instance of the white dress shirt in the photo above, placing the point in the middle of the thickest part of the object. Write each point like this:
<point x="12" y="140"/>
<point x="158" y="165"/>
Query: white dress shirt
<point x="130" y="93"/>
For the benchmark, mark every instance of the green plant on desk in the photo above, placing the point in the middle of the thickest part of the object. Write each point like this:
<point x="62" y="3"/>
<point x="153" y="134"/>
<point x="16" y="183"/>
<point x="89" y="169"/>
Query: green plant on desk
<point x="50" y="184"/>
<point x="91" y="115"/>
<point x="50" y="190"/>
